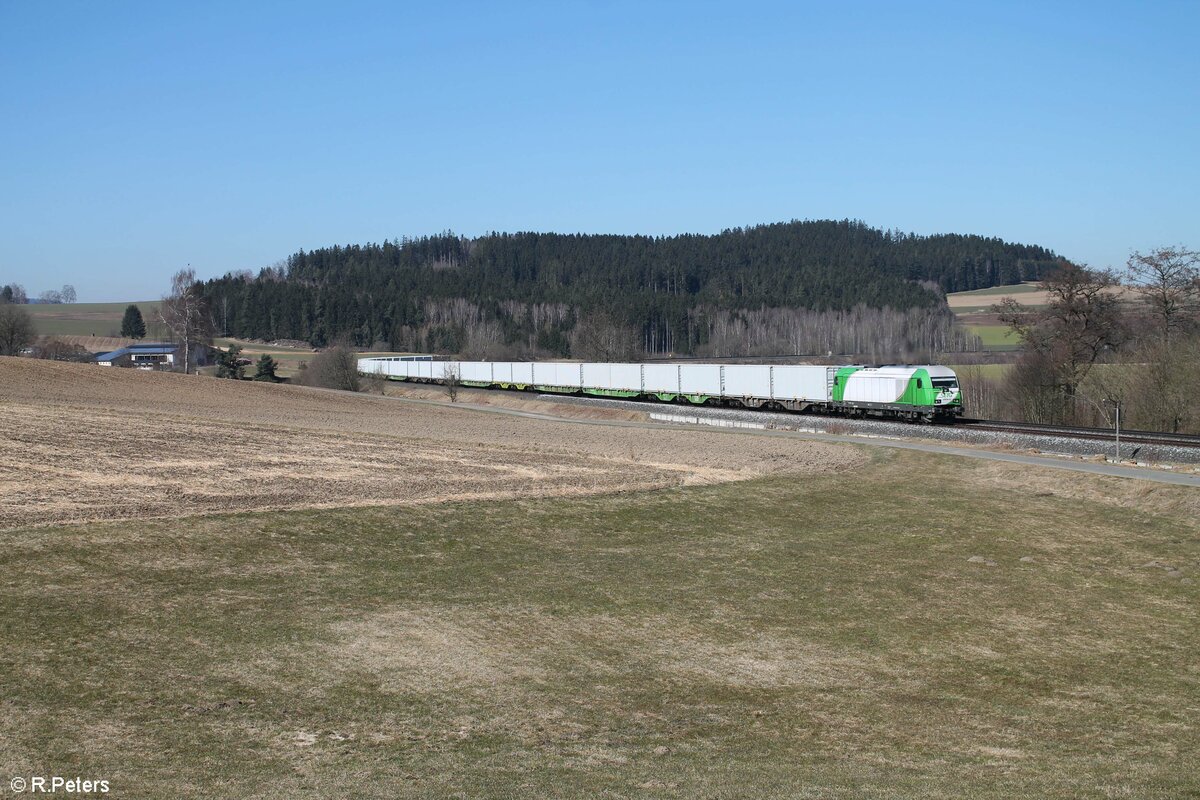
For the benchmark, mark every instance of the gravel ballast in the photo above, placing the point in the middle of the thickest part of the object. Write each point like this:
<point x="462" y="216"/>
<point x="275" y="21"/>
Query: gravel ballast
<point x="960" y="434"/>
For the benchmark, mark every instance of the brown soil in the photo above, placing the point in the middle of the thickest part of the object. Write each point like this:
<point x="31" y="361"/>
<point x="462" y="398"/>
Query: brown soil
<point x="1040" y="297"/>
<point x="521" y="401"/>
<point x="83" y="442"/>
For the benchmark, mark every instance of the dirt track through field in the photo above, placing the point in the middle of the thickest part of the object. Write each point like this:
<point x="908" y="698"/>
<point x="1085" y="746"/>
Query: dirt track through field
<point x="83" y="443"/>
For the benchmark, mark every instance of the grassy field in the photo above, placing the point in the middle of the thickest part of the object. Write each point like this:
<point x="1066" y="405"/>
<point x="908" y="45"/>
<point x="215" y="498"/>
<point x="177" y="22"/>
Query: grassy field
<point x="996" y="371"/>
<point x="995" y="337"/>
<point x="86" y="319"/>
<point x="971" y="308"/>
<point x="913" y="632"/>
<point x="289" y="359"/>
<point x="987" y="294"/>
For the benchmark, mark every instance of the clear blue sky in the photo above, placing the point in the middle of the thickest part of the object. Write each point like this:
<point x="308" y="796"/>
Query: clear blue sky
<point x="138" y="138"/>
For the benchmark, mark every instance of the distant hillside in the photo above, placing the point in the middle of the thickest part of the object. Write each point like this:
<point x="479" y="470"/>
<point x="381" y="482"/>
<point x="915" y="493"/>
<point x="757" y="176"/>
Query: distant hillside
<point x="527" y="292"/>
<point x="91" y="319"/>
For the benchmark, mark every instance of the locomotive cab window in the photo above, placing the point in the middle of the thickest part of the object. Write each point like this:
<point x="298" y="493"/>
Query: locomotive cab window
<point x="919" y="384"/>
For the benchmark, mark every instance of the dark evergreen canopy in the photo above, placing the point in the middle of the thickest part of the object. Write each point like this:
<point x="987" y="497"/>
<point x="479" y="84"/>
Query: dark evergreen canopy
<point x="371" y="292"/>
<point x="132" y="324"/>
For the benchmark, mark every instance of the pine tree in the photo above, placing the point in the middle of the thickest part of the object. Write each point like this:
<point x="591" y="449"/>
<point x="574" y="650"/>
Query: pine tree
<point x="132" y="325"/>
<point x="265" y="369"/>
<point x="229" y="363"/>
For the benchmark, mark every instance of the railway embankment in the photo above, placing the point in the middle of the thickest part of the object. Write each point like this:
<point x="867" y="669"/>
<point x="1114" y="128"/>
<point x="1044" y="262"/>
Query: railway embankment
<point x="1135" y="449"/>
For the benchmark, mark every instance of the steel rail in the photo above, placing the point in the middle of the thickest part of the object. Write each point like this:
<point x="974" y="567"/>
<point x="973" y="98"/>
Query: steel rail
<point x="1037" y="429"/>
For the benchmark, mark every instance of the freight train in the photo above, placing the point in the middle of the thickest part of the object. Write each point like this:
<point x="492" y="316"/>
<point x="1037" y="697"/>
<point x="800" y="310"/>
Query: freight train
<point x="918" y="393"/>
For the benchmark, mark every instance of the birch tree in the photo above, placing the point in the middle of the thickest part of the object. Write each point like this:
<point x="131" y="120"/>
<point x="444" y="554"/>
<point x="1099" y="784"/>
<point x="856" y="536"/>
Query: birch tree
<point x="185" y="314"/>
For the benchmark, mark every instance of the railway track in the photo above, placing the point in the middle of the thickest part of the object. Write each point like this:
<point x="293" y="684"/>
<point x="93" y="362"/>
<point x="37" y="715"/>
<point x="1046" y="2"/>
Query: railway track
<point x="1131" y="437"/>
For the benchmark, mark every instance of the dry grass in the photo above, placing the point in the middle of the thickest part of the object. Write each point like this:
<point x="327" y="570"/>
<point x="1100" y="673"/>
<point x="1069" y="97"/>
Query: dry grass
<point x="924" y="630"/>
<point x="89" y="443"/>
<point x="1093" y="491"/>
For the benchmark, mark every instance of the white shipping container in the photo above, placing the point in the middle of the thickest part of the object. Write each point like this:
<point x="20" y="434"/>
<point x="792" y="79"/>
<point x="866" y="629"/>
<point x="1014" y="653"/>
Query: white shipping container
<point x="792" y="382"/>
<point x="700" y="379"/>
<point x="478" y="371"/>
<point x="625" y="377"/>
<point x="522" y="372"/>
<point x="744" y="380"/>
<point x="557" y="374"/>
<point x="660" y="378"/>
<point x="373" y="366"/>
<point x="596" y="375"/>
<point x="802" y="383"/>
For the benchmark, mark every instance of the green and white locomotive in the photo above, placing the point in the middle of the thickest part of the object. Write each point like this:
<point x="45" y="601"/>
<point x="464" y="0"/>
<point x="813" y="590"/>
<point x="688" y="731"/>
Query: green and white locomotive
<point x="913" y="392"/>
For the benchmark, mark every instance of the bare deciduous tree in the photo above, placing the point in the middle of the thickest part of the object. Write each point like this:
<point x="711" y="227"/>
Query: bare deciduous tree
<point x="598" y="337"/>
<point x="184" y="313"/>
<point x="1064" y="340"/>
<point x="14" y="293"/>
<point x="1168" y="279"/>
<point x="880" y="334"/>
<point x="16" y="329"/>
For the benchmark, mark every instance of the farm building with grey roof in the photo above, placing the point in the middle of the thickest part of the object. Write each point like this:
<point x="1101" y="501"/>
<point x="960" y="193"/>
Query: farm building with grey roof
<point x="141" y="356"/>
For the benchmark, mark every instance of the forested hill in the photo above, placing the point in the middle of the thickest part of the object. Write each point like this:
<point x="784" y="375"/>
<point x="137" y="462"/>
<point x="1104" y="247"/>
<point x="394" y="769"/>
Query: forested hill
<point x="532" y="288"/>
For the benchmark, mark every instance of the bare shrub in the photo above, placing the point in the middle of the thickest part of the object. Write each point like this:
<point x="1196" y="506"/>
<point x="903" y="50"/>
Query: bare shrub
<point x="1157" y="385"/>
<point x="52" y="348"/>
<point x="373" y="382"/>
<point x="981" y="395"/>
<point x="1032" y="392"/>
<point x="335" y="368"/>
<point x="452" y="382"/>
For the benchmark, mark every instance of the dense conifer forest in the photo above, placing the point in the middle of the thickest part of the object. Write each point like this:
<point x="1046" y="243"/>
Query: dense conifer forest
<point x="522" y="294"/>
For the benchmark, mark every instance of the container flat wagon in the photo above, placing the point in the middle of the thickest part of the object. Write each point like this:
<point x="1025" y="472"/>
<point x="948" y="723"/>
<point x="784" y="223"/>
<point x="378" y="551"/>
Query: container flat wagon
<point x="925" y="392"/>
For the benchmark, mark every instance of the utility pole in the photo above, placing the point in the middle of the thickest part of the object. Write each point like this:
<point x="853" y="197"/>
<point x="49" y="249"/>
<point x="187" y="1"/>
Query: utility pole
<point x="1117" y="405"/>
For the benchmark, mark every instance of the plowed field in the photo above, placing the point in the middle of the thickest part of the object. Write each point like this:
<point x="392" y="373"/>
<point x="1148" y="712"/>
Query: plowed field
<point x="81" y="443"/>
